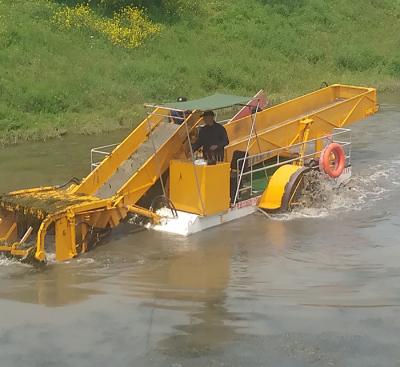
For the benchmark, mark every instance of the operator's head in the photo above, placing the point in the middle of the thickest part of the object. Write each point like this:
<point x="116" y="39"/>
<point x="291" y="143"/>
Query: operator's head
<point x="208" y="117"/>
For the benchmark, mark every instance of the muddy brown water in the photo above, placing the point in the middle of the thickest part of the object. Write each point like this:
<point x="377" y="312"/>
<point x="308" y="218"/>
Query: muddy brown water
<point x="317" y="287"/>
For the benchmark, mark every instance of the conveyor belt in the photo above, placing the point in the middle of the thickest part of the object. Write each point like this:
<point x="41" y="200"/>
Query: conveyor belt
<point x="158" y="137"/>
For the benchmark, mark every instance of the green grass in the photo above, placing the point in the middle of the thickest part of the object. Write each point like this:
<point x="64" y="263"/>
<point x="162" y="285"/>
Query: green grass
<point x="53" y="82"/>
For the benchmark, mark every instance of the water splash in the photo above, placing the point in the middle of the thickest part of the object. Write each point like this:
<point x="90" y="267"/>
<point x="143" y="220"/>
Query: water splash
<point x="321" y="198"/>
<point x="9" y="261"/>
<point x="51" y="260"/>
<point x="5" y="261"/>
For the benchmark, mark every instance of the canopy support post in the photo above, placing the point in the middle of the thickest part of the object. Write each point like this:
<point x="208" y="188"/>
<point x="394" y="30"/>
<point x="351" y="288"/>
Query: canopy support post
<point x="246" y="154"/>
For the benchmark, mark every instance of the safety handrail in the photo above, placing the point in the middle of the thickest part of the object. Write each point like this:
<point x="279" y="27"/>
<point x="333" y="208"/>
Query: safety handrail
<point x="104" y="151"/>
<point x="272" y="151"/>
<point x="277" y="152"/>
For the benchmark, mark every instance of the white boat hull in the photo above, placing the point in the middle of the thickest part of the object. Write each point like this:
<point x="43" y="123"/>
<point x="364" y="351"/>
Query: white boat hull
<point x="187" y="223"/>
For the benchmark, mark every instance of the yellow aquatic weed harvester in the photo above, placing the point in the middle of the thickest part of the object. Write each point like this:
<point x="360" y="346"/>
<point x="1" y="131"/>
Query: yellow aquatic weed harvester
<point x="77" y="215"/>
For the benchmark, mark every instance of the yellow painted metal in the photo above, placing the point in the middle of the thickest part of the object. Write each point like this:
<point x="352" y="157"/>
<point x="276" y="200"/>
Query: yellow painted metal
<point x="8" y="230"/>
<point x="40" y="254"/>
<point x="65" y="238"/>
<point x="76" y="205"/>
<point x="74" y="210"/>
<point x="212" y="182"/>
<point x="34" y="190"/>
<point x="273" y="195"/>
<point x="305" y="132"/>
<point x="279" y="126"/>
<point x="150" y="172"/>
<point x="83" y="232"/>
<point x="121" y="153"/>
<point x="146" y="213"/>
<point x="14" y="250"/>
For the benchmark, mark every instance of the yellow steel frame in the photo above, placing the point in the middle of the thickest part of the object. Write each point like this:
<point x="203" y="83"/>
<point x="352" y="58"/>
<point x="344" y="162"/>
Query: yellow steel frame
<point x="303" y="118"/>
<point x="282" y="125"/>
<point x="122" y="152"/>
<point x="97" y="213"/>
<point x="92" y="211"/>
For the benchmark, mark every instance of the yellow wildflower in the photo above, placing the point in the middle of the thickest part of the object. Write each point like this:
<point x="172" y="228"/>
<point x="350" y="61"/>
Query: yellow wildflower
<point x="127" y="28"/>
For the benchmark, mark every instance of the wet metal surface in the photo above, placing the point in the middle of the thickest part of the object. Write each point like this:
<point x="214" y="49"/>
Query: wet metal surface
<point x="318" y="287"/>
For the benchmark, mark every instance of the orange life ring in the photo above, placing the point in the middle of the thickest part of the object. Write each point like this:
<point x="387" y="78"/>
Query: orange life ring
<point x="333" y="168"/>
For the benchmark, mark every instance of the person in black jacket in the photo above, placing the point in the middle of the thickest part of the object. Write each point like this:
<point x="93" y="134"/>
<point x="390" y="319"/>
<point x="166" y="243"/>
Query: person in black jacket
<point x="212" y="138"/>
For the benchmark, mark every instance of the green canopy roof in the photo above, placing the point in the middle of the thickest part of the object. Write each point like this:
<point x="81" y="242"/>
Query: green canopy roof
<point x="213" y="102"/>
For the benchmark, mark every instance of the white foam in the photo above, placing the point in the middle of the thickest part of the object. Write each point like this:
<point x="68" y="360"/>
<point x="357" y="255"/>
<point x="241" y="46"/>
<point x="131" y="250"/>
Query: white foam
<point x="51" y="258"/>
<point x="4" y="261"/>
<point x="85" y="260"/>
<point x="361" y="192"/>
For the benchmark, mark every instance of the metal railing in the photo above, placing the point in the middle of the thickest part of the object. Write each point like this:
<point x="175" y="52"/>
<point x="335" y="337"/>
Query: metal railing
<point x="289" y="155"/>
<point x="98" y="154"/>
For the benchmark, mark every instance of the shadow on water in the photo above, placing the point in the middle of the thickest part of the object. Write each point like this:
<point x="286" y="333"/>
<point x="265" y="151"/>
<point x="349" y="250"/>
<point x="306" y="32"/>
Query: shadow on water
<point x="194" y="281"/>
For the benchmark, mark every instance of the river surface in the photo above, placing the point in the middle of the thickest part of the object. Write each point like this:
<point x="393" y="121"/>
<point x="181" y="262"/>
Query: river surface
<point x="318" y="287"/>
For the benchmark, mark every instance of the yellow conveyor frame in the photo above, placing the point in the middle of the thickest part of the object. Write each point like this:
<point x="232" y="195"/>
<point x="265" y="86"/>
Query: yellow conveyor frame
<point x="283" y="125"/>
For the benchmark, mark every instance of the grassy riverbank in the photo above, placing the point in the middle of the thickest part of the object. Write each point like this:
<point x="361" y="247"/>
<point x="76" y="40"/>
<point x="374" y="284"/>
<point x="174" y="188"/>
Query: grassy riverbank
<point x="55" y="80"/>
